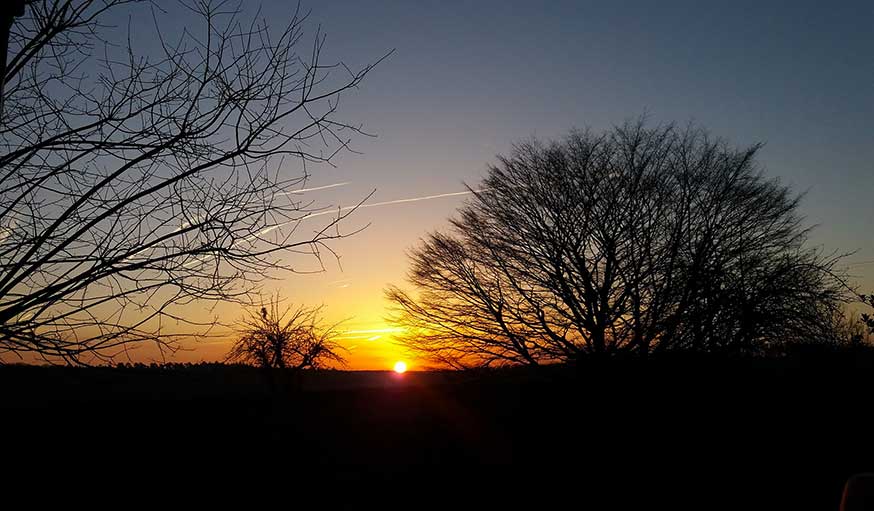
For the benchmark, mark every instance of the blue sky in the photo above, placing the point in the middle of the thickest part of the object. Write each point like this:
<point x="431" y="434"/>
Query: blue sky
<point x="469" y="78"/>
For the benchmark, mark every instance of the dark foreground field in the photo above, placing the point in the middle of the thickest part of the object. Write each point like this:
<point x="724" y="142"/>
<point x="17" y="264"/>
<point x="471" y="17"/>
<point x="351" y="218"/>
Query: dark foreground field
<point x="693" y="434"/>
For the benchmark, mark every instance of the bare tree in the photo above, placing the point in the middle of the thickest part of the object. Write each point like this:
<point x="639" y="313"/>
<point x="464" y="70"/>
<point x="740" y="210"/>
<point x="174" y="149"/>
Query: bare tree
<point x="132" y="184"/>
<point x="293" y="339"/>
<point x="638" y="240"/>
<point x="865" y="317"/>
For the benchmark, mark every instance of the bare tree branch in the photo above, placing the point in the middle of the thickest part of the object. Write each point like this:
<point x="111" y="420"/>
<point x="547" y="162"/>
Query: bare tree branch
<point x="133" y="184"/>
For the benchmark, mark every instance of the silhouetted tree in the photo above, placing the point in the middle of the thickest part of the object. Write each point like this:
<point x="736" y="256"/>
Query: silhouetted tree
<point x="131" y="183"/>
<point x="867" y="318"/>
<point x="294" y="339"/>
<point x="637" y="240"/>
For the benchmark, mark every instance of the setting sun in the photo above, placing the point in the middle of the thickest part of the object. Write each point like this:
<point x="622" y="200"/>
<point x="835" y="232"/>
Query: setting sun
<point x="400" y="367"/>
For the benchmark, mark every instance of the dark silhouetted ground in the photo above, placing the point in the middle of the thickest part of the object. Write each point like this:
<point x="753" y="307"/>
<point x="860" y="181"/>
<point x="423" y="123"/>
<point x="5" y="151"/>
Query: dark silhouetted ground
<point x="692" y="433"/>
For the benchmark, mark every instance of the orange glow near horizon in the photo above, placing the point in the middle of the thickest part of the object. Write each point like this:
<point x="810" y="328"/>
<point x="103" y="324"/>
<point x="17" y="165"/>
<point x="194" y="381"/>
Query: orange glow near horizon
<point x="352" y="295"/>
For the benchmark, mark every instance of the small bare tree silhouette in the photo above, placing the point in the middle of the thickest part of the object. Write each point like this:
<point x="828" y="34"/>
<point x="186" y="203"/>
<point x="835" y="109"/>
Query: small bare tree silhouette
<point x="295" y="338"/>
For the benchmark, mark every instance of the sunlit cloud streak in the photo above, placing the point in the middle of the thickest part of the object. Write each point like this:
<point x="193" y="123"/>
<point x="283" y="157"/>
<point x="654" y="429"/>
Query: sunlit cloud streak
<point x="861" y="263"/>
<point x="353" y="337"/>
<point x="375" y="331"/>
<point x="372" y="334"/>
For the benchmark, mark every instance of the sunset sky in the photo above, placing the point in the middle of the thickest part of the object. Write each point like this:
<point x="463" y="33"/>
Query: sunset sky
<point x="469" y="78"/>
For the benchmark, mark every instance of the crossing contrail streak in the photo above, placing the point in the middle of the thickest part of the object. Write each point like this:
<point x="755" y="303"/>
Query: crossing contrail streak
<point x="395" y="201"/>
<point x="313" y="189"/>
<point x="345" y="208"/>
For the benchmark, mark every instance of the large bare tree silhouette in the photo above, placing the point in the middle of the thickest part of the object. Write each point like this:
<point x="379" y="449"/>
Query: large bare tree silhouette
<point x="637" y="240"/>
<point x="132" y="184"/>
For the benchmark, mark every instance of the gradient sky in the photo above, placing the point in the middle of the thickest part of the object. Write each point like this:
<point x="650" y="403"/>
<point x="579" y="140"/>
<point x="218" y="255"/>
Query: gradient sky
<point x="469" y="78"/>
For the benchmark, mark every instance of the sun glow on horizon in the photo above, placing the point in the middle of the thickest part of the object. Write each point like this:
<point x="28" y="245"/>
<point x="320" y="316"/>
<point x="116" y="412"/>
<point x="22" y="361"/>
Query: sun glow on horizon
<point x="400" y="367"/>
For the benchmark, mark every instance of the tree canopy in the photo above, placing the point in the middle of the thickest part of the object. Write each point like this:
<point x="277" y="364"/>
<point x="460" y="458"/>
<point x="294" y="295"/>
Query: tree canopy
<point x="637" y="240"/>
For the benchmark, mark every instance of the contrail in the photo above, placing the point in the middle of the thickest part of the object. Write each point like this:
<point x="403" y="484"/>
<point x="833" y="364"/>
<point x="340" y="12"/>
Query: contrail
<point x="416" y="199"/>
<point x="396" y="201"/>
<point x="313" y="189"/>
<point x="344" y="208"/>
<point x="861" y="263"/>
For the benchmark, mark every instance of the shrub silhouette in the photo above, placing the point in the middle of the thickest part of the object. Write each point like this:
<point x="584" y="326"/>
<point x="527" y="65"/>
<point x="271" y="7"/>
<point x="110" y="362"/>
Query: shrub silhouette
<point x="295" y="338"/>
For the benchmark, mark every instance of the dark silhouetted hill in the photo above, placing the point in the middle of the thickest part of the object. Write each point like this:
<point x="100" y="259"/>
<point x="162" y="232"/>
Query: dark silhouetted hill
<point x="746" y="433"/>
